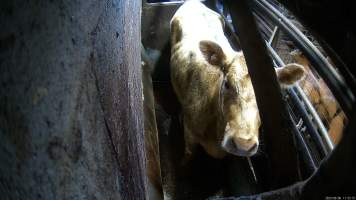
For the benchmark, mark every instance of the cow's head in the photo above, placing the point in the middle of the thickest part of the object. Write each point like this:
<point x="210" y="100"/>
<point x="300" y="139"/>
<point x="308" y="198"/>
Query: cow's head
<point x="237" y="102"/>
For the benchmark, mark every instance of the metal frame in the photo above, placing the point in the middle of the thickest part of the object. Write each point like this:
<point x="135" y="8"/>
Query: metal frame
<point x="303" y="146"/>
<point x="320" y="63"/>
<point x="294" y="93"/>
<point x="325" y="145"/>
<point x="335" y="82"/>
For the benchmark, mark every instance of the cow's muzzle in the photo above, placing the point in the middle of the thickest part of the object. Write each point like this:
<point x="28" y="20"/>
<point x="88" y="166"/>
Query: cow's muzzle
<point x="239" y="146"/>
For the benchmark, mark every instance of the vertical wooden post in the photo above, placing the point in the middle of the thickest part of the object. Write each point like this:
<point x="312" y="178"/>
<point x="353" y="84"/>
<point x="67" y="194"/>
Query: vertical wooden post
<point x="70" y="100"/>
<point x="120" y="86"/>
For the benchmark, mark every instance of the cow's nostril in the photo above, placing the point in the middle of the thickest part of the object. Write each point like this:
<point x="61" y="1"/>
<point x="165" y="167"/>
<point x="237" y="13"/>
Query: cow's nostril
<point x="229" y="145"/>
<point x="232" y="145"/>
<point x="253" y="148"/>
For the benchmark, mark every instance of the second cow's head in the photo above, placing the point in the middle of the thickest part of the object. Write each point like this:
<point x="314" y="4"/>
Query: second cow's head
<point x="237" y="102"/>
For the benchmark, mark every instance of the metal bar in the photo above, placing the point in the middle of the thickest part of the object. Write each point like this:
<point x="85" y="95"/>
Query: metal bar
<point x="313" y="131"/>
<point x="335" y="82"/>
<point x="307" y="156"/>
<point x="308" y="104"/>
<point x="274" y="37"/>
<point x="318" y="121"/>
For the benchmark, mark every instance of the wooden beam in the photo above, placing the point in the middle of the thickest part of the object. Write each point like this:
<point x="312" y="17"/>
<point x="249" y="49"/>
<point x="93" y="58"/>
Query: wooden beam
<point x="119" y="80"/>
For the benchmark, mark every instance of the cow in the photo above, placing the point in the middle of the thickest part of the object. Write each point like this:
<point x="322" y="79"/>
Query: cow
<point x="213" y="86"/>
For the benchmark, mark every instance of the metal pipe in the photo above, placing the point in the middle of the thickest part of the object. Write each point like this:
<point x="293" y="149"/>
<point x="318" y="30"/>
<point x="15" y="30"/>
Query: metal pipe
<point x="310" y="127"/>
<point x="303" y="147"/>
<point x="313" y="112"/>
<point x="272" y="40"/>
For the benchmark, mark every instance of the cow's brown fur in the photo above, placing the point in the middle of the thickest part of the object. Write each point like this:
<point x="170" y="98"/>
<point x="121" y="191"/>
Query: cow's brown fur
<point x="212" y="83"/>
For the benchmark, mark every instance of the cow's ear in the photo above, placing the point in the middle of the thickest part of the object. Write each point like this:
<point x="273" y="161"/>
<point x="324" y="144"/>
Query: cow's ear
<point x="290" y="74"/>
<point x="212" y="52"/>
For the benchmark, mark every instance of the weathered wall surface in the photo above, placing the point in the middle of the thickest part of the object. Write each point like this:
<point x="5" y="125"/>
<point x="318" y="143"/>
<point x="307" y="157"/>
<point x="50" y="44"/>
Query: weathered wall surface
<point x="70" y="100"/>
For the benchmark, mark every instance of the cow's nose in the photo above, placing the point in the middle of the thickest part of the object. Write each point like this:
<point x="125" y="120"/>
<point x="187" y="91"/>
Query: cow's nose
<point x="240" y="147"/>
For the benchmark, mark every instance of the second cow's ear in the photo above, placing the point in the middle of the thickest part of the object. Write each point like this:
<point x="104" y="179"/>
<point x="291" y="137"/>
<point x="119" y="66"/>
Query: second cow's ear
<point x="290" y="74"/>
<point x="212" y="52"/>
